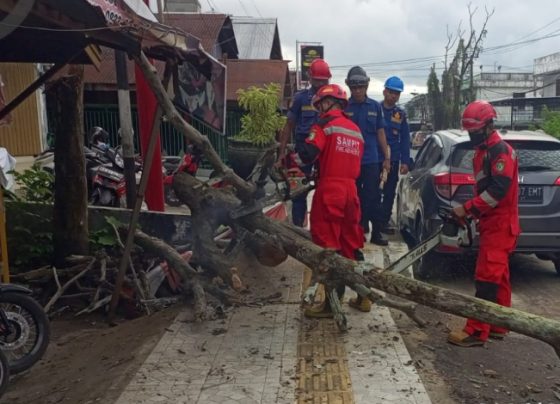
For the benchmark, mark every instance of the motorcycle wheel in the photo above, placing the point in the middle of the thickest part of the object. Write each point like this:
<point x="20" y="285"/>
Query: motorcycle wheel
<point x="4" y="373"/>
<point x="29" y="334"/>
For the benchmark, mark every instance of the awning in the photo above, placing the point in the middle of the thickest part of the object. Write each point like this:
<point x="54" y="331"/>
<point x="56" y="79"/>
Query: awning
<point x="69" y="31"/>
<point x="54" y="30"/>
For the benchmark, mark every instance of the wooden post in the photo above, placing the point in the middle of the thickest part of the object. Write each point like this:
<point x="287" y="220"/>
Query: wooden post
<point x="149" y="157"/>
<point x="126" y="132"/>
<point x="70" y="194"/>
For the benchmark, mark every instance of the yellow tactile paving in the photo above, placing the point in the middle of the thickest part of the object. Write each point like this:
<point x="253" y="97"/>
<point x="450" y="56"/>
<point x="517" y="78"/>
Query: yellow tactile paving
<point x="322" y="366"/>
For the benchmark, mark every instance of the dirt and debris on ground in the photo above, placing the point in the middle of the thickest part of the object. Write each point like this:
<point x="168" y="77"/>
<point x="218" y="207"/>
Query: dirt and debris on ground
<point x="516" y="370"/>
<point x="87" y="361"/>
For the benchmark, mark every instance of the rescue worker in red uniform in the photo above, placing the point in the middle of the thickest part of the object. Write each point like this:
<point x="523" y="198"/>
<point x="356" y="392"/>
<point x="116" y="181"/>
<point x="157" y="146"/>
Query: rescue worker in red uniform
<point x="336" y="143"/>
<point x="495" y="206"/>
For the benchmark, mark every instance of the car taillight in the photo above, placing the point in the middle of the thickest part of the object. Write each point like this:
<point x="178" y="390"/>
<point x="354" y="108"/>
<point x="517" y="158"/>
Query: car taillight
<point x="557" y="182"/>
<point x="447" y="183"/>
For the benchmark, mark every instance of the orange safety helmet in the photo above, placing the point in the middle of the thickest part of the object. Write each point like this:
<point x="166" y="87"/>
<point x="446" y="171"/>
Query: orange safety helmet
<point x="319" y="70"/>
<point x="330" y="90"/>
<point x="477" y="115"/>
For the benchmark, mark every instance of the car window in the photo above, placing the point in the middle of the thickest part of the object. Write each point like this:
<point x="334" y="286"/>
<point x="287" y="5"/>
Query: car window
<point x="430" y="153"/>
<point x="422" y="153"/>
<point x="532" y="155"/>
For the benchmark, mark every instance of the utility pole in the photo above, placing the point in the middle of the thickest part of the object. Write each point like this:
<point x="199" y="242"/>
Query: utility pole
<point x="298" y="81"/>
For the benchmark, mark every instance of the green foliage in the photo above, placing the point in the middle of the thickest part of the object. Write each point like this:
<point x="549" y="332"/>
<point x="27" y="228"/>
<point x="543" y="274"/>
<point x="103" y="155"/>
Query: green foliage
<point x="262" y="120"/>
<point x="551" y="123"/>
<point x="36" y="185"/>
<point x="30" y="245"/>
<point x="435" y="100"/>
<point x="106" y="236"/>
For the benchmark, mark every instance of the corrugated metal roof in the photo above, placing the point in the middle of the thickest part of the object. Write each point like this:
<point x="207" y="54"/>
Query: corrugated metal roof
<point x="107" y="75"/>
<point x="211" y="29"/>
<point x="243" y="74"/>
<point x="256" y="38"/>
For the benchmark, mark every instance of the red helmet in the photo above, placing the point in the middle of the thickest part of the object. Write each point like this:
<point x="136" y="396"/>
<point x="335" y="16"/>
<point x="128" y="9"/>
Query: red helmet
<point x="319" y="69"/>
<point x="330" y="90"/>
<point x="477" y="115"/>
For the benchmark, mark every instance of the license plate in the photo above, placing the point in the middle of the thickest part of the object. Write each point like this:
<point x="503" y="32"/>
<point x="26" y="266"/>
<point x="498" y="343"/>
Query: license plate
<point x="530" y="195"/>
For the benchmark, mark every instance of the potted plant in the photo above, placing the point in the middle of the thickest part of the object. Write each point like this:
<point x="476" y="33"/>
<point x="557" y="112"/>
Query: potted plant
<point x="259" y="126"/>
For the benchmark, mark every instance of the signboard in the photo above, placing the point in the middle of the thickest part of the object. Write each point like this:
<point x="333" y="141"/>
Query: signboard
<point x="308" y="54"/>
<point x="123" y="12"/>
<point x="202" y="92"/>
<point x="8" y="118"/>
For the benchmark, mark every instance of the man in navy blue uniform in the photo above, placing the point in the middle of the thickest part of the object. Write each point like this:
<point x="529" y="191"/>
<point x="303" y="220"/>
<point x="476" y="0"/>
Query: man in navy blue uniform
<point x="398" y="138"/>
<point x="368" y="115"/>
<point x="301" y="116"/>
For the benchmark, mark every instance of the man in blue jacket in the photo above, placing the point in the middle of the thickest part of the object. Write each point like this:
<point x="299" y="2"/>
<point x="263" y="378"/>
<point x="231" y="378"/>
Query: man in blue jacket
<point x="368" y="115"/>
<point x="398" y="139"/>
<point x="301" y="116"/>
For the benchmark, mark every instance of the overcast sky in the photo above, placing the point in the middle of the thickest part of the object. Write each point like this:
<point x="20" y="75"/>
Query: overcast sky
<point x="373" y="32"/>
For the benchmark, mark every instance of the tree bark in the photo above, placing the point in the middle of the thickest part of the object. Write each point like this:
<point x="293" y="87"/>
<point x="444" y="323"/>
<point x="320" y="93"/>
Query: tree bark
<point x="70" y="195"/>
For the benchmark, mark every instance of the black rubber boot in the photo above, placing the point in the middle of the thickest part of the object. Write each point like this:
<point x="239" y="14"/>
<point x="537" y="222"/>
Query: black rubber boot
<point x="376" y="237"/>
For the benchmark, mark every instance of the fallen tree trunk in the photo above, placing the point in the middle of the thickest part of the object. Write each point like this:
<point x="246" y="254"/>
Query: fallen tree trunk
<point x="334" y="268"/>
<point x="331" y="269"/>
<point x="327" y="266"/>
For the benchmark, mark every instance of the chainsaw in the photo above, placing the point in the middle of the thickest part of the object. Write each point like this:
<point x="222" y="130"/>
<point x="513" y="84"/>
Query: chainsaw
<point x="454" y="232"/>
<point x="289" y="178"/>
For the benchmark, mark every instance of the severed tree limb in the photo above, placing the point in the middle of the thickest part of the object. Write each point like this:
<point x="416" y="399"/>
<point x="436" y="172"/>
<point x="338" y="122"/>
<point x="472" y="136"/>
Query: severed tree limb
<point x="335" y="268"/>
<point x="406" y="307"/>
<point x="62" y="289"/>
<point x="200" y="303"/>
<point x="46" y="273"/>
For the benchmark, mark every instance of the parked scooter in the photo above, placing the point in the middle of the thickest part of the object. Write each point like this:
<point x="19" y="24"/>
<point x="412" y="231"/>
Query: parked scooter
<point x="24" y="328"/>
<point x="106" y="168"/>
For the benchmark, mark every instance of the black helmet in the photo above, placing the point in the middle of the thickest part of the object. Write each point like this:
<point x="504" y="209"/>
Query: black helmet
<point x="98" y="134"/>
<point x="357" y="77"/>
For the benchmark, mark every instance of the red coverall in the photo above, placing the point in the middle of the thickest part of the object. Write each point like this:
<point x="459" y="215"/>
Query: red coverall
<point x="495" y="169"/>
<point x="335" y="211"/>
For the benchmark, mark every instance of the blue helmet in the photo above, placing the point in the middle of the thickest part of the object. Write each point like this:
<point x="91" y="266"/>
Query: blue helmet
<point x="394" y="83"/>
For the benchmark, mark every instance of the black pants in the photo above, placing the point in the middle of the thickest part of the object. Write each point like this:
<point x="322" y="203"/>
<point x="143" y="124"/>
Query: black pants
<point x="299" y="204"/>
<point x="389" y="191"/>
<point x="369" y="194"/>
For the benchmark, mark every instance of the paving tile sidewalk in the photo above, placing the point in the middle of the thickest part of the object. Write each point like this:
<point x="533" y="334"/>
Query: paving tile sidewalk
<point x="252" y="355"/>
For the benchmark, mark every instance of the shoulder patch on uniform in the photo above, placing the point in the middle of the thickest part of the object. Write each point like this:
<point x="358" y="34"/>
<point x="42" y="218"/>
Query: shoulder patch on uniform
<point x="500" y="165"/>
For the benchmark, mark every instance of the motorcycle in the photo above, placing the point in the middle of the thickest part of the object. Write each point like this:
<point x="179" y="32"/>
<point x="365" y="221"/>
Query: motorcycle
<point x="24" y="328"/>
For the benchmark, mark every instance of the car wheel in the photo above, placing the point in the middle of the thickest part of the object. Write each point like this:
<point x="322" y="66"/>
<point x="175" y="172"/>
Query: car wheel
<point x="557" y="266"/>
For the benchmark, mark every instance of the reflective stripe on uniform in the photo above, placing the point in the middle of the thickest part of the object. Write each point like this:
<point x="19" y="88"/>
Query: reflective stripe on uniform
<point x="345" y="131"/>
<point x="486" y="197"/>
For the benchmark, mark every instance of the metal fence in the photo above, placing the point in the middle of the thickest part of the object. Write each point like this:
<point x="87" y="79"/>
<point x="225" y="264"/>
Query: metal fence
<point x="522" y="113"/>
<point x="172" y="142"/>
